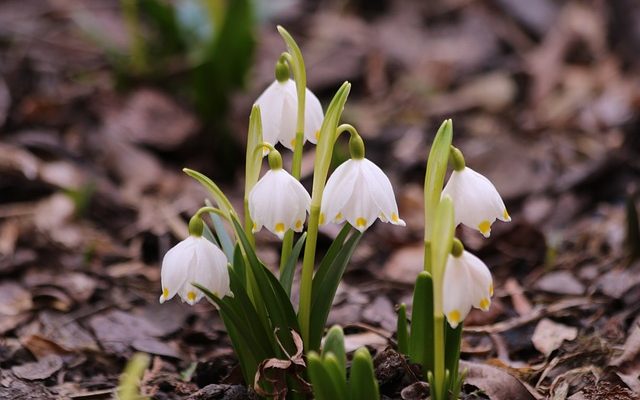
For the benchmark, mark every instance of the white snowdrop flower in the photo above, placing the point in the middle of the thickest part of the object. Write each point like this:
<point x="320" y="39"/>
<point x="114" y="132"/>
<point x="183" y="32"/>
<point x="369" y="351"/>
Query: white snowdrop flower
<point x="279" y="202"/>
<point x="194" y="260"/>
<point x="476" y="201"/>
<point x="279" y="111"/>
<point x="467" y="283"/>
<point x="359" y="192"/>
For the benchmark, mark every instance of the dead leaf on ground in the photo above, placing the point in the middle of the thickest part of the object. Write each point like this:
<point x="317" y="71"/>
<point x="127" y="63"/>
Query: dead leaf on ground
<point x="548" y="335"/>
<point x="560" y="282"/>
<point x="117" y="330"/>
<point x="496" y="383"/>
<point x="60" y="329"/>
<point x="41" y="369"/>
<point x="616" y="283"/>
<point x="405" y="264"/>
<point x="151" y="117"/>
<point x="14" y="299"/>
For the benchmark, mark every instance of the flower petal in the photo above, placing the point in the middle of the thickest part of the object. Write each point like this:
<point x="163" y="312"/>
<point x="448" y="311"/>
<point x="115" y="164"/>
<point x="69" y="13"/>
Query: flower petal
<point x="313" y="117"/>
<point x="338" y="190"/>
<point x="456" y="302"/>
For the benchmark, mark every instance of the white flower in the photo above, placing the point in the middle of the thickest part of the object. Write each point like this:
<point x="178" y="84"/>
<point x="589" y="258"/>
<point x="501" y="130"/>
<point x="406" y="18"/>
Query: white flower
<point x="476" y="201"/>
<point x="279" y="202"/>
<point x="359" y="192"/>
<point x="279" y="112"/>
<point x="194" y="260"/>
<point x="467" y="282"/>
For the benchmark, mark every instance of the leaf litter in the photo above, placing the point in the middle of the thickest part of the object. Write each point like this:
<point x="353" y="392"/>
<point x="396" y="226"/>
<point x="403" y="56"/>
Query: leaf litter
<point x="91" y="196"/>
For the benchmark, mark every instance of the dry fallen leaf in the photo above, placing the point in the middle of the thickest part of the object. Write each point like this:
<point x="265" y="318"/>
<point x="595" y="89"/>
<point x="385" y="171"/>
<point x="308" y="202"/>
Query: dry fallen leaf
<point x="151" y="117"/>
<point x="14" y="299"/>
<point x="405" y="264"/>
<point x="548" y="335"/>
<point x="496" y="383"/>
<point x="560" y="282"/>
<point x="41" y="369"/>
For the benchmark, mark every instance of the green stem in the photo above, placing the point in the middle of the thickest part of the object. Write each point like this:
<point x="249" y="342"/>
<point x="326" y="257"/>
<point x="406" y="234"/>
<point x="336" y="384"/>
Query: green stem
<point x="248" y="223"/>
<point x="296" y="64"/>
<point x="253" y="163"/>
<point x="439" y="368"/>
<point x="324" y="151"/>
<point x="306" y="280"/>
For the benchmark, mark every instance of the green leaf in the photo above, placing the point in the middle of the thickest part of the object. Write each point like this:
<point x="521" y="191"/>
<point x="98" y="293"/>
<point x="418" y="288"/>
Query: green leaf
<point x="328" y="258"/>
<point x="210" y="236"/>
<point x="443" y="229"/>
<point x="242" y="347"/>
<point x="241" y="302"/>
<point x="286" y="277"/>
<point x="277" y="303"/>
<point x="224" y="61"/>
<point x="402" y="330"/>
<point x="238" y="266"/>
<point x="337" y="375"/>
<point x="436" y="170"/>
<point x="421" y="340"/>
<point x="453" y="337"/>
<point x="334" y="344"/>
<point x="322" y="383"/>
<point x="246" y="327"/>
<point x="223" y="236"/>
<point x="326" y="290"/>
<point x="362" y="382"/>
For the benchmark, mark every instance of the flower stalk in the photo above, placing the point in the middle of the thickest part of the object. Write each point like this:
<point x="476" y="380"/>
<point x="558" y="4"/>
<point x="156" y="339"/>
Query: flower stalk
<point x="324" y="151"/>
<point x="296" y="64"/>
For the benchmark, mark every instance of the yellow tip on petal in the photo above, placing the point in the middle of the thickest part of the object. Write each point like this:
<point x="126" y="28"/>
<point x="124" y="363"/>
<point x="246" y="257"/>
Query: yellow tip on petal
<point x="491" y="289"/>
<point x="394" y="217"/>
<point x="279" y="227"/>
<point x="454" y="317"/>
<point x="293" y="142"/>
<point x="321" y="219"/>
<point x="361" y="222"/>
<point x="298" y="224"/>
<point x="505" y="215"/>
<point x="338" y="216"/>
<point x="165" y="293"/>
<point x="317" y="134"/>
<point x="485" y="228"/>
<point x="484" y="304"/>
<point x="191" y="296"/>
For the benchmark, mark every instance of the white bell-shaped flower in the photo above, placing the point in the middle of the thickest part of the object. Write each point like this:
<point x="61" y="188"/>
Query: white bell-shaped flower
<point x="359" y="192"/>
<point x="194" y="260"/>
<point x="279" y="111"/>
<point x="279" y="202"/>
<point x="476" y="201"/>
<point x="467" y="283"/>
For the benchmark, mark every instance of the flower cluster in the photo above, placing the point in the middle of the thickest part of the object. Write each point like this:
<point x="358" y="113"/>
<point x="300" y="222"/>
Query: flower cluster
<point x="357" y="192"/>
<point x="467" y="281"/>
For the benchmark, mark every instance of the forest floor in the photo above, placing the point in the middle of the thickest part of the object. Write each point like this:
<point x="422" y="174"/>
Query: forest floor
<point x="545" y="100"/>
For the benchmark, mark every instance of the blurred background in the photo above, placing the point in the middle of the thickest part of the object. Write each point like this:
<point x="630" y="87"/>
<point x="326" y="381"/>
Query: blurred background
<point x="102" y="103"/>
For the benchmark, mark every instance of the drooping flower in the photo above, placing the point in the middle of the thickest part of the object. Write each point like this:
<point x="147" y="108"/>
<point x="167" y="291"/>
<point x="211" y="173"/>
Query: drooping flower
<point x="467" y="283"/>
<point x="359" y="192"/>
<point x="279" y="112"/>
<point x="194" y="260"/>
<point x="476" y="201"/>
<point x="279" y="202"/>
